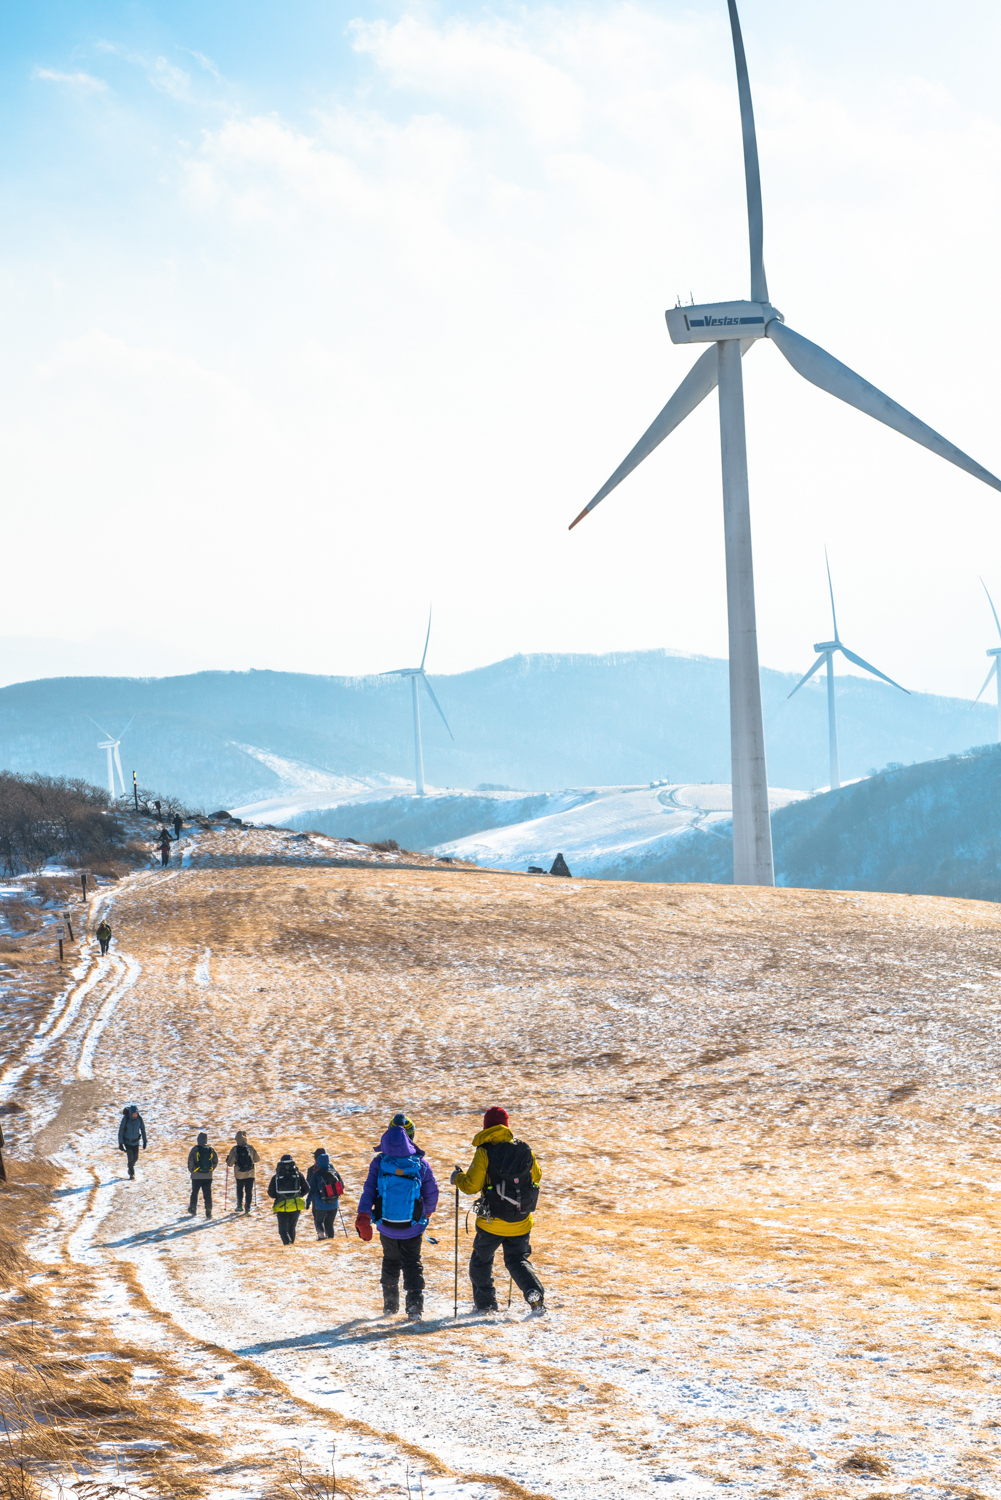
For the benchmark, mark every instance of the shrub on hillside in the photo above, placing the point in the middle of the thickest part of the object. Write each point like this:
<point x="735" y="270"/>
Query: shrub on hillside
<point x="50" y="817"/>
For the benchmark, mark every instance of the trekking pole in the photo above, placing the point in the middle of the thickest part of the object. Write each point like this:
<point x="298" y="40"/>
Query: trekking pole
<point x="455" y="1310"/>
<point x="510" y="1284"/>
<point x="225" y="1196"/>
<point x="341" y="1216"/>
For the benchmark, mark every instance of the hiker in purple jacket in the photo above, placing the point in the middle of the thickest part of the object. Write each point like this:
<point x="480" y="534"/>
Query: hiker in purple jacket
<point x="400" y="1195"/>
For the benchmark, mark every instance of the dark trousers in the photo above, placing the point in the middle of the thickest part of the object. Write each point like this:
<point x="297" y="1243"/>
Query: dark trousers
<point x="405" y="1256"/>
<point x="326" y="1223"/>
<point x="205" y="1184"/>
<point x="131" y="1157"/>
<point x="164" y="855"/>
<point x="244" y="1185"/>
<point x="517" y="1250"/>
<point x="104" y="945"/>
<point x="286" y="1225"/>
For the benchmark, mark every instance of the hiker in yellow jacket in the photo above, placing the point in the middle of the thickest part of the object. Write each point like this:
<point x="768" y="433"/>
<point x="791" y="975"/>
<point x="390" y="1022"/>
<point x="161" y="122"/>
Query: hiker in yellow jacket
<point x="506" y="1175"/>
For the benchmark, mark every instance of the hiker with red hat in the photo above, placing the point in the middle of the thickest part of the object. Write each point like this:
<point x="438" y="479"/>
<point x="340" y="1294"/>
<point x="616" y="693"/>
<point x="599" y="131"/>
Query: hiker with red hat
<point x="506" y="1175"/>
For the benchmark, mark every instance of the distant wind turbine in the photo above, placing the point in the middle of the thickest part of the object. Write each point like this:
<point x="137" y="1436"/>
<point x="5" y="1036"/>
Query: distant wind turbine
<point x="110" y="744"/>
<point x="418" y="674"/>
<point x="828" y="650"/>
<point x="732" y="327"/>
<point x="994" y="651"/>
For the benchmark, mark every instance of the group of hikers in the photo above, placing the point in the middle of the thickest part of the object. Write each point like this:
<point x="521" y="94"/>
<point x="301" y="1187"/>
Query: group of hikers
<point x="398" y="1199"/>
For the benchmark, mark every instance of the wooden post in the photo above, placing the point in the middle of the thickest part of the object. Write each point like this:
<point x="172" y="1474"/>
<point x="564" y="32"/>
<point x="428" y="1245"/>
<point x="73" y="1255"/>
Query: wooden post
<point x="69" y="924"/>
<point x="83" y="882"/>
<point x="60" y="942"/>
<point x="135" y="790"/>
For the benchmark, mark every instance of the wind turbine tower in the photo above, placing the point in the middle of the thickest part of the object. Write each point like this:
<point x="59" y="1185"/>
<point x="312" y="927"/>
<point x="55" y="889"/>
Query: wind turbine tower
<point x="418" y="674"/>
<point x="110" y="745"/>
<point x="828" y="650"/>
<point x="731" y="329"/>
<point x="994" y="651"/>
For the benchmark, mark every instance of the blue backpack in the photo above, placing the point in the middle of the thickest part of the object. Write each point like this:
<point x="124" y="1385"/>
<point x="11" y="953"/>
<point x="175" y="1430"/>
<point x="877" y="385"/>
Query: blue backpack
<point x="399" y="1188"/>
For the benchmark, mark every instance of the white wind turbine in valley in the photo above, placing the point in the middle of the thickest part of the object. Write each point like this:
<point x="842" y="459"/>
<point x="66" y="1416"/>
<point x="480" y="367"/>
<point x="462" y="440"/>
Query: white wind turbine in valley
<point x="110" y="745"/>
<point x="731" y="328"/>
<point x="828" y="650"/>
<point x="994" y="651"/>
<point x="418" y="674"/>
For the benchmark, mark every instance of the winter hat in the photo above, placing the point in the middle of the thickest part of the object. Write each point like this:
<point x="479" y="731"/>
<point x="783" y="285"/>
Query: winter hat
<point x="322" y="1162"/>
<point x="203" y="1139"/>
<point x="286" y="1157"/>
<point x="241" y="1137"/>
<point x="495" y="1116"/>
<point x="133" y="1109"/>
<point x="408" y="1125"/>
<point x="320" y="1151"/>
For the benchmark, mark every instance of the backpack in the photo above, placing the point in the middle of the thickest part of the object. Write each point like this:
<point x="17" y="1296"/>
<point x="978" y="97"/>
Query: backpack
<point x="244" y="1160"/>
<point x="287" y="1180"/>
<point x="509" y="1193"/>
<point x="327" y="1188"/>
<point x="399" y="1188"/>
<point x="203" y="1158"/>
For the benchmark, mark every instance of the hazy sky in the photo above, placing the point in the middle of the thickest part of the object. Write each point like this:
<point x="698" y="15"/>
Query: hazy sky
<point x="314" y="313"/>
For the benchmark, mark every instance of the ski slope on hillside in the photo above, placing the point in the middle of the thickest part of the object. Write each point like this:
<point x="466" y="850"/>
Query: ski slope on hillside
<point x="610" y="826"/>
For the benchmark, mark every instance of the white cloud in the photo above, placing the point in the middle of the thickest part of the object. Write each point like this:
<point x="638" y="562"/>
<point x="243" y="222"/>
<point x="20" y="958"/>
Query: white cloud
<point x="85" y="82"/>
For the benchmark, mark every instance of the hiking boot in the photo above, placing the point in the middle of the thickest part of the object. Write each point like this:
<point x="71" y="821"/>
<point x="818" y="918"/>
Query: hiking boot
<point x="415" y="1309"/>
<point x="247" y="1209"/>
<point x="537" y="1304"/>
<point x="488" y="1307"/>
<point x="321" y="1237"/>
<point x="390" y="1304"/>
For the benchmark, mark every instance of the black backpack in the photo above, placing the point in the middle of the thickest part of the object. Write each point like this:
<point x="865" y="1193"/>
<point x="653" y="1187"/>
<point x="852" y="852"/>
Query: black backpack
<point x="325" y="1188"/>
<point x="509" y="1193"/>
<point x="287" y="1180"/>
<point x="244" y="1160"/>
<point x="203" y="1158"/>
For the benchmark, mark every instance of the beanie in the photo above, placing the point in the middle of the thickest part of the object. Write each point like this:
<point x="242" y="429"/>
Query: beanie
<point x="495" y="1116"/>
<point x="203" y="1139"/>
<point x="323" y="1162"/>
<point x="408" y="1125"/>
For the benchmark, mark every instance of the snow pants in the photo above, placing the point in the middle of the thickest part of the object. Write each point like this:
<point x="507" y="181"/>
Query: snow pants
<point x="104" y="945"/>
<point x="517" y="1251"/>
<point x="131" y="1157"/>
<point x="205" y="1184"/>
<point x="244" y="1185"/>
<point x="286" y="1225"/>
<point x="326" y="1223"/>
<point x="405" y="1256"/>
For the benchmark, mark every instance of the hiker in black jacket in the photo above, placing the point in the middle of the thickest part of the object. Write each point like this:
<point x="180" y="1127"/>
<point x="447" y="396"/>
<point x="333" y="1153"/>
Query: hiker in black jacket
<point x="287" y="1187"/>
<point x="202" y="1162"/>
<point x="131" y="1130"/>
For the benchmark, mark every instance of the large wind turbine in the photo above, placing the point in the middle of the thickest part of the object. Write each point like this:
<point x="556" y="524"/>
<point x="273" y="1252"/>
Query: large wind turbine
<point x="994" y="651"/>
<point x="110" y="744"/>
<point x="828" y="650"/>
<point x="418" y="674"/>
<point x="732" y="327"/>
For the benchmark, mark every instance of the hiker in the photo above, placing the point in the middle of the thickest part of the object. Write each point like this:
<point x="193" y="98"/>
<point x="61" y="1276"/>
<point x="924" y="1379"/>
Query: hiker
<point x="104" y="937"/>
<point x="131" y="1130"/>
<point x="243" y="1158"/>
<point x="287" y="1188"/>
<point x="178" y="825"/>
<point x="202" y="1162"/>
<point x="325" y="1186"/>
<point x="400" y="1195"/>
<point x="3" y="1169"/>
<point x="164" y="848"/>
<point x="506" y="1175"/>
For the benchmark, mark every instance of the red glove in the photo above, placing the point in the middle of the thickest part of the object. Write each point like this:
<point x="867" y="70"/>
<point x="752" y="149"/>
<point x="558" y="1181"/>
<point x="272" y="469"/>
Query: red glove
<point x="363" y="1224"/>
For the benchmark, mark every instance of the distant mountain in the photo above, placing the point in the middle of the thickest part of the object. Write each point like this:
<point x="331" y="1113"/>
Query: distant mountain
<point x="931" y="829"/>
<point x="223" y="739"/>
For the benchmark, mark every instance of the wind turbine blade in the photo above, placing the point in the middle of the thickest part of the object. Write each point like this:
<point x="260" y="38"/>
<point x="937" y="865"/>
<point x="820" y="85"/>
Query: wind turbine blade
<point x="869" y="668"/>
<point x="695" y="387"/>
<point x="127" y="728"/>
<point x="823" y="370"/>
<point x="818" y="663"/>
<point x="752" y="176"/>
<point x="830" y="585"/>
<point x="399" y="672"/>
<point x="990" y="674"/>
<point x="96" y="725"/>
<point x="994" y="612"/>
<point x="426" y="639"/>
<point x="118" y="763"/>
<point x="437" y="705"/>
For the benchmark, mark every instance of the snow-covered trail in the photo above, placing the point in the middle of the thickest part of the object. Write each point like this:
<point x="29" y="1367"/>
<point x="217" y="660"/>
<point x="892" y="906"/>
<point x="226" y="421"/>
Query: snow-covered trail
<point x="767" y="1127"/>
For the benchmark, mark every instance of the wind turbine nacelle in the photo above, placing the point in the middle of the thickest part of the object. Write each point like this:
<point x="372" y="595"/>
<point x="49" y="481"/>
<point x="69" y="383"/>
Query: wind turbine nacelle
<point x="994" y="651"/>
<point x="711" y="321"/>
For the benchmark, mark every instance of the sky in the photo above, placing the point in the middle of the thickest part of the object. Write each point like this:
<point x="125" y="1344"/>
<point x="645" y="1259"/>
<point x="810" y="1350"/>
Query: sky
<point x="314" y="316"/>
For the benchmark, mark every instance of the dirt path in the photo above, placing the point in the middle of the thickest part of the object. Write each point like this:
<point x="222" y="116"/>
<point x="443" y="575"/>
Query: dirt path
<point x="767" y="1122"/>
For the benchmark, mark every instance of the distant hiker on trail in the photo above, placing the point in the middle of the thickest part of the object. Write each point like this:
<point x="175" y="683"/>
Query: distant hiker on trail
<point x="104" y="937"/>
<point x="3" y="1169"/>
<point x="400" y="1194"/>
<point x="287" y="1187"/>
<point x="178" y="825"/>
<point x="325" y="1187"/>
<point x="506" y="1175"/>
<point x="131" y="1130"/>
<point x="202" y="1162"/>
<point x="243" y="1158"/>
<point x="164" y="848"/>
